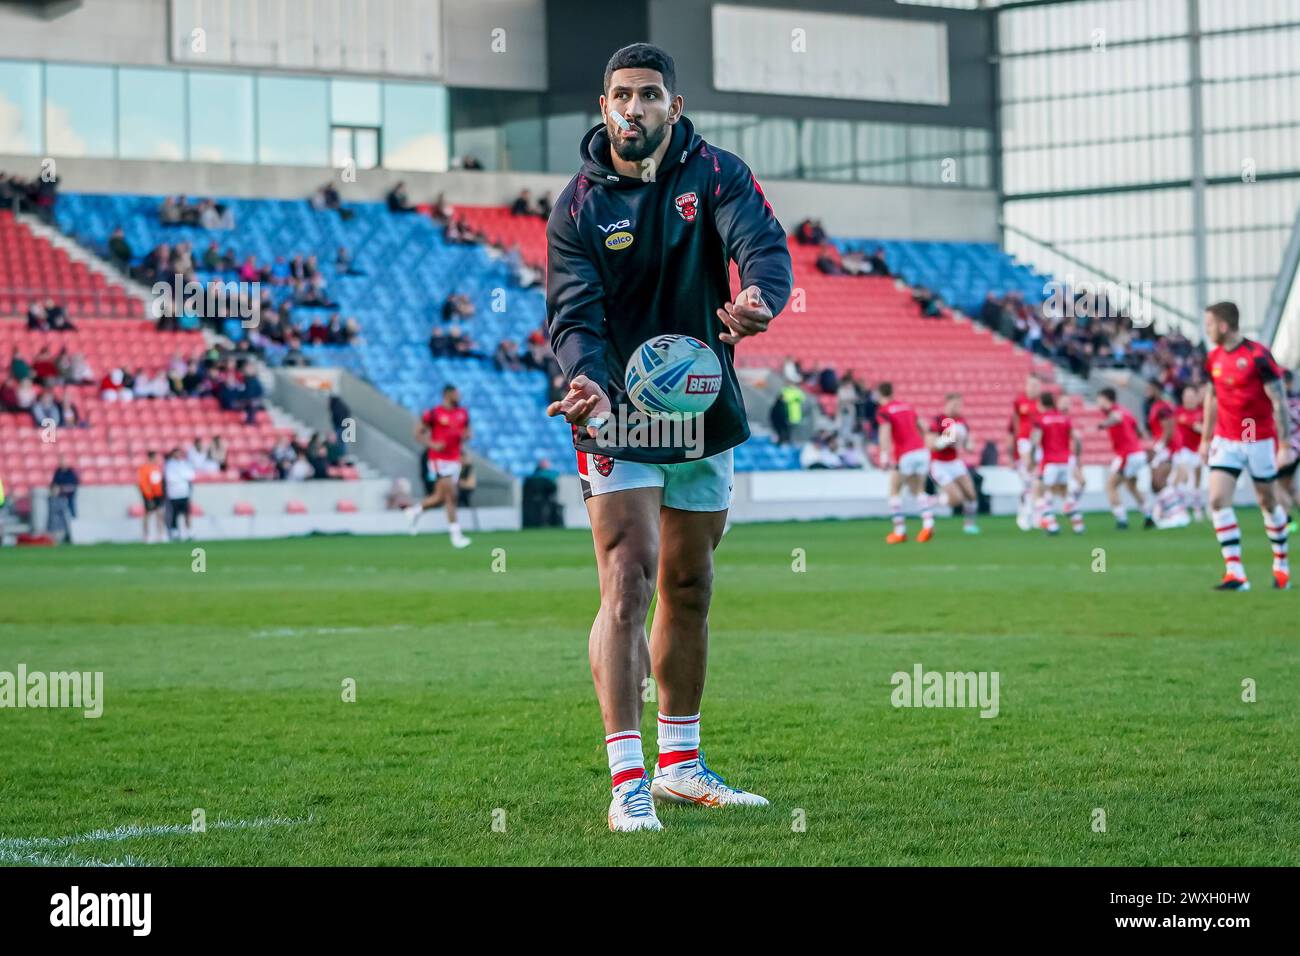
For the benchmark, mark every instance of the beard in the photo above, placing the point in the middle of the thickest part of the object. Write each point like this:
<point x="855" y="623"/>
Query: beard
<point x="645" y="145"/>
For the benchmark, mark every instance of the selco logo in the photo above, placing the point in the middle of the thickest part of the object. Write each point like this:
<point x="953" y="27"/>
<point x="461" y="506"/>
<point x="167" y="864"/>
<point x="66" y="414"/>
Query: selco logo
<point x="620" y="240"/>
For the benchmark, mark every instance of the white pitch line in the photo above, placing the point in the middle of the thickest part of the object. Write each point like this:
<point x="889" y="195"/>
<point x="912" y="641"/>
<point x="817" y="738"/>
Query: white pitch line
<point x="27" y="849"/>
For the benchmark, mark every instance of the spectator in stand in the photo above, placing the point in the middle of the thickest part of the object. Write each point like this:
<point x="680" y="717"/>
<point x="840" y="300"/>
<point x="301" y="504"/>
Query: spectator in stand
<point x="18" y="366"/>
<point x="212" y="257"/>
<point x="149" y="479"/>
<point x="63" y="487"/>
<point x="541" y="507"/>
<point x="877" y="262"/>
<point x="818" y="453"/>
<point x="319" y="457"/>
<point x="44" y="366"/>
<point x="119" y="250"/>
<point x="218" y="453"/>
<point x="113" y="387"/>
<point x="45" y="410"/>
<point x="9" y="395"/>
<point x="58" y="317"/>
<point x="197" y="456"/>
<point x="466" y="482"/>
<point x="37" y="320"/>
<point x="462" y="344"/>
<point x="439" y="343"/>
<point x="169" y="214"/>
<point x="249" y="272"/>
<point x="779" y="418"/>
<point x="344" y="265"/>
<point x="506" y="358"/>
<point x="69" y="412"/>
<point x="178" y="484"/>
<point x="301" y="469"/>
<point x="828" y="260"/>
<point x="929" y="302"/>
<point x="470" y="162"/>
<point x="523" y="204"/>
<point x="544" y="206"/>
<point x="809" y="233"/>
<point x="340" y="413"/>
<point x="398" y="200"/>
<point x="317" y="333"/>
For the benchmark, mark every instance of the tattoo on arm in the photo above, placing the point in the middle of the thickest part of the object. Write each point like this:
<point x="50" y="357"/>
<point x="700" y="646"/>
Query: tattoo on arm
<point x="1281" y="411"/>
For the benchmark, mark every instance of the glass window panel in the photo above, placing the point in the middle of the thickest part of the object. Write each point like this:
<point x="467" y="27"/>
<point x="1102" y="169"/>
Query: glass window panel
<point x="21" y="126"/>
<point x="481" y="142"/>
<point x="79" y="110"/>
<point x="563" y="134"/>
<point x="416" y="126"/>
<point x="771" y="146"/>
<point x="523" y="144"/>
<point x="355" y="103"/>
<point x="881" y="142"/>
<point x="292" y="121"/>
<point x="151" y="114"/>
<point x="826" y="149"/>
<point x="367" y="148"/>
<point x="340" y="147"/>
<point x="221" y="117"/>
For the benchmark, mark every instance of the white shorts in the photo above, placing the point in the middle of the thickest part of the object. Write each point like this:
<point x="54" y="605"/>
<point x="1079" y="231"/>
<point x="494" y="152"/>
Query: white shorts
<point x="440" y="468"/>
<point x="1027" y="455"/>
<point x="703" y="484"/>
<point x="1234" y="457"/>
<point x="1160" y="455"/>
<point x="1055" y="473"/>
<point x="945" y="473"/>
<point x="914" y="462"/>
<point x="1131" y="466"/>
<point x="1187" y="458"/>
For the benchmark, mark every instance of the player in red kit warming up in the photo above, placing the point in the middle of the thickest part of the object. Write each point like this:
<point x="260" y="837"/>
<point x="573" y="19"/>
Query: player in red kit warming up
<point x="1024" y="409"/>
<point x="443" y="429"/>
<point x="1130" y="458"/>
<point x="949" y="436"/>
<point x="1245" y="411"/>
<point x="902" y="444"/>
<point x="1055" y="439"/>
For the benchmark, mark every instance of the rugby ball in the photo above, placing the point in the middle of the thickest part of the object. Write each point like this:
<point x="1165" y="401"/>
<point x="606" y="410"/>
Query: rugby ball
<point x="673" y="375"/>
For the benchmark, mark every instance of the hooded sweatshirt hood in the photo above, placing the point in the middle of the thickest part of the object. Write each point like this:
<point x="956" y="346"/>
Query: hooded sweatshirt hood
<point x="595" y="153"/>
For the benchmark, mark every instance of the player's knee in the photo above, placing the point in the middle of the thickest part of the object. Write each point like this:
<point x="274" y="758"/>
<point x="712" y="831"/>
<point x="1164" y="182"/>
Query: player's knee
<point x="688" y="589"/>
<point x="626" y="586"/>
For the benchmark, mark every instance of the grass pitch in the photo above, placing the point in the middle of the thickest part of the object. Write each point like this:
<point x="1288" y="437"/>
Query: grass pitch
<point x="1120" y="690"/>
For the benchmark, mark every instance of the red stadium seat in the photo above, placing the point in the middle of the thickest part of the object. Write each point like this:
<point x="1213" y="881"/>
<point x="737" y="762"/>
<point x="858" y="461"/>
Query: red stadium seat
<point x="244" y="509"/>
<point x="295" y="508"/>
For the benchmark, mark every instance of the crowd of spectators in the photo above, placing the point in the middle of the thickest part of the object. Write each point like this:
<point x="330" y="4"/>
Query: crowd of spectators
<point x="39" y="195"/>
<point x="301" y="459"/>
<point x="1092" y="333"/>
<point x="205" y="213"/>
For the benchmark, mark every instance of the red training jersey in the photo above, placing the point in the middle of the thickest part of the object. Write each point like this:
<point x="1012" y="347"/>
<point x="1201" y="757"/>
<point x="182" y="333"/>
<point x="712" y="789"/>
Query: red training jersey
<point x="940" y="425"/>
<point x="1124" y="437"/>
<point x="904" y="428"/>
<point x="1187" y="428"/>
<point x="1056" y="431"/>
<point x="1027" y="410"/>
<point x="1239" y="376"/>
<point x="447" y="427"/>
<point x="1159" y="413"/>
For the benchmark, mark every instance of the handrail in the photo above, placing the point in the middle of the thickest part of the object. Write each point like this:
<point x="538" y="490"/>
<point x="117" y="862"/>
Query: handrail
<point x="1193" y="326"/>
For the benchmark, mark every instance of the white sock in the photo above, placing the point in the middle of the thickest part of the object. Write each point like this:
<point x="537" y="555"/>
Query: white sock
<point x="679" y="739"/>
<point x="454" y="529"/>
<point x="1229" y="535"/>
<point x="626" y="762"/>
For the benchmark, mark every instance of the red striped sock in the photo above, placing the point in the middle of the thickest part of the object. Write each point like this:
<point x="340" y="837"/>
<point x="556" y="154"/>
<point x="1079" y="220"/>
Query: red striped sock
<point x="626" y="761"/>
<point x="679" y="739"/>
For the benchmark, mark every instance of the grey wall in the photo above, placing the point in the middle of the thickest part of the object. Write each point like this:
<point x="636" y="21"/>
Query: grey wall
<point x="685" y="29"/>
<point x="129" y="32"/>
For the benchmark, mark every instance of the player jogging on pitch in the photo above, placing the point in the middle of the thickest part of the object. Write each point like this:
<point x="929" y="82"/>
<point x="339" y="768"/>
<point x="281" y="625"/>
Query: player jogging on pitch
<point x="638" y="245"/>
<point x="1024" y="409"/>
<point x="951" y="436"/>
<point x="903" y="445"/>
<point x="1130" y="458"/>
<point x="1056" y="444"/>
<point x="1245" y="412"/>
<point x="443" y="429"/>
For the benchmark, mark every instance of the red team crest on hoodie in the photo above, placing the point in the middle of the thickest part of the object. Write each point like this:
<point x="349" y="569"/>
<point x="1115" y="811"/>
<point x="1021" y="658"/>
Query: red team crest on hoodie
<point x="686" y="205"/>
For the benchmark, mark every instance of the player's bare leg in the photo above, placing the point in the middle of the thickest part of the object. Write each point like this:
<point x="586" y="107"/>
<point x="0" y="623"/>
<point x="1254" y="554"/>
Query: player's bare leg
<point x="899" y="533"/>
<point x="444" y="493"/>
<point x="1141" y="501"/>
<point x="679" y="652"/>
<point x="1275" y="527"/>
<point x="916" y="483"/>
<point x="625" y="533"/>
<point x="962" y="498"/>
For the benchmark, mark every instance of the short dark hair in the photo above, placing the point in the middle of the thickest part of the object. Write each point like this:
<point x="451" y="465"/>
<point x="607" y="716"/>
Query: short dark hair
<point x="1047" y="400"/>
<point x="1109" y="394"/>
<point x="886" y="389"/>
<point x="448" y="388"/>
<point x="1226" y="312"/>
<point x="645" y="56"/>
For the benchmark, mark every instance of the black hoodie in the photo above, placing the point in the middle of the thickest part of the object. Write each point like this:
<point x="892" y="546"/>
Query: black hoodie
<point x="631" y="258"/>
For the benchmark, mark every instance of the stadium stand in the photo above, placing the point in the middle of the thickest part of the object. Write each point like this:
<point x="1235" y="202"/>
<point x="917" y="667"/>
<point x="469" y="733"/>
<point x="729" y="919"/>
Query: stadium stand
<point x="406" y="268"/>
<point x="117" y="435"/>
<point x="32" y="269"/>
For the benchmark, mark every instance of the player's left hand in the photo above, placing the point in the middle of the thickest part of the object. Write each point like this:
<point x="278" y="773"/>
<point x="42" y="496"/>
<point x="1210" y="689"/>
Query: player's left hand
<point x="748" y="315"/>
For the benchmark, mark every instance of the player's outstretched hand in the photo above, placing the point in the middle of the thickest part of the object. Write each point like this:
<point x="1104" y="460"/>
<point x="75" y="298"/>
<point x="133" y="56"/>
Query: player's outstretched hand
<point x="748" y="315"/>
<point x="584" y="400"/>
